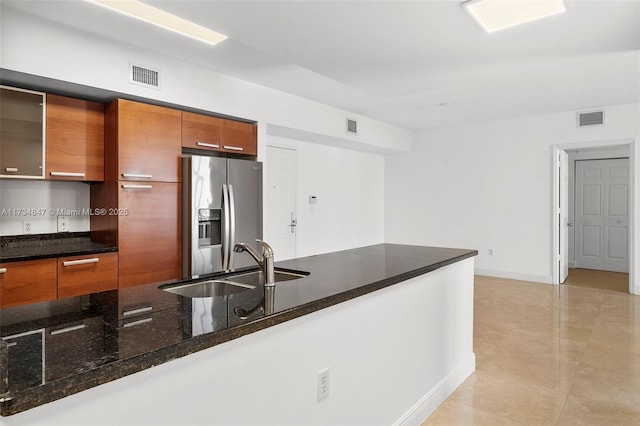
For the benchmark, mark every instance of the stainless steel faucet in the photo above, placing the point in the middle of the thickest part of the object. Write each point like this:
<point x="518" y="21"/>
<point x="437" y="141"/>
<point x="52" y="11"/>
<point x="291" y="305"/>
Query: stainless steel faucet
<point x="265" y="260"/>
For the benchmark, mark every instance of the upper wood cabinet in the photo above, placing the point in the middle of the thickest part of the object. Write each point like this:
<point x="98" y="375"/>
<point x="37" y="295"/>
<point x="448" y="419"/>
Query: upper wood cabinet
<point x="143" y="142"/>
<point x="217" y="134"/>
<point x="25" y="282"/>
<point x="240" y="138"/>
<point x="75" y="139"/>
<point x="201" y="131"/>
<point x="21" y="133"/>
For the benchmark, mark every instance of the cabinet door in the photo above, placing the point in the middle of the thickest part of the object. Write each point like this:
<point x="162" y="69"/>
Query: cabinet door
<point x="21" y="133"/>
<point x="27" y="282"/>
<point x="75" y="139"/>
<point x="148" y="142"/>
<point x="87" y="274"/>
<point x="240" y="138"/>
<point x="201" y="131"/>
<point x="149" y="233"/>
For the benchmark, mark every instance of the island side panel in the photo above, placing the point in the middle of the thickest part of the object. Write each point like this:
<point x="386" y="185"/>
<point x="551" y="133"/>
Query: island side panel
<point x="394" y="355"/>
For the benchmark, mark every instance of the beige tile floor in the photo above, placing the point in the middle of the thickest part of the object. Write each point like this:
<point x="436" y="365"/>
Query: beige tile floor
<point x="550" y="355"/>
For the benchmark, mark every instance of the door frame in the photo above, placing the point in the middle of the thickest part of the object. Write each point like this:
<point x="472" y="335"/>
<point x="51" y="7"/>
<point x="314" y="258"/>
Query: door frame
<point x="634" y="212"/>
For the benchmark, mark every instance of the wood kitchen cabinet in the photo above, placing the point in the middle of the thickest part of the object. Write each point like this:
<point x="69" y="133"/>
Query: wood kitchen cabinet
<point x="218" y="134"/>
<point x="201" y="131"/>
<point x="142" y="164"/>
<point x="21" y="133"/>
<point x="87" y="274"/>
<point x="75" y="139"/>
<point x="143" y="142"/>
<point x="240" y="138"/>
<point x="25" y="282"/>
<point x="149" y="234"/>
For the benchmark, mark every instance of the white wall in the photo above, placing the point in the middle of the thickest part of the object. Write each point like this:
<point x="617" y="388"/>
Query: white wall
<point x="350" y="190"/>
<point x="403" y="350"/>
<point x="489" y="185"/>
<point x="46" y="198"/>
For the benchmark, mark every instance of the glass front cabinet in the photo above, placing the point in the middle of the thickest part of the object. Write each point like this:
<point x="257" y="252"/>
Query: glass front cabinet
<point x="22" y="133"/>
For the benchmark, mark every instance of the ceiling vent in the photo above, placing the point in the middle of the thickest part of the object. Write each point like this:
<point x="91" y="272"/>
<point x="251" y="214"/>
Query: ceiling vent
<point x="144" y="76"/>
<point x="352" y="126"/>
<point x="592" y="118"/>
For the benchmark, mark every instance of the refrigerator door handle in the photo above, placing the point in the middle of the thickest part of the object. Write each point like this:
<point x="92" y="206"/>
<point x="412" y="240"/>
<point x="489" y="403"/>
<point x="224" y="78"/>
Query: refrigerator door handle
<point x="226" y="249"/>
<point x="232" y="219"/>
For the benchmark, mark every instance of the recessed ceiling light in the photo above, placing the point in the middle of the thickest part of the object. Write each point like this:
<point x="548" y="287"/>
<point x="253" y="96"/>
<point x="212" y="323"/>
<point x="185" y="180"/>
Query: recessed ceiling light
<point x="494" y="15"/>
<point x="160" y="18"/>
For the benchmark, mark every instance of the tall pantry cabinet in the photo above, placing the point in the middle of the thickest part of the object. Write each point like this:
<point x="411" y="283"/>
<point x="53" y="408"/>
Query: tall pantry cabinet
<point x="137" y="208"/>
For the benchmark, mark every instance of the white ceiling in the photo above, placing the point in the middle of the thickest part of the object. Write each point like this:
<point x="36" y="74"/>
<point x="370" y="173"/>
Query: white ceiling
<point x="416" y="64"/>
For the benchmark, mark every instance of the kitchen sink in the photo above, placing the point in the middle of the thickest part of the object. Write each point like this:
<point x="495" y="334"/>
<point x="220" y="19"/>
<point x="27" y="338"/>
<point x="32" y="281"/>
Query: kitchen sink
<point x="229" y="284"/>
<point x="256" y="278"/>
<point x="211" y="288"/>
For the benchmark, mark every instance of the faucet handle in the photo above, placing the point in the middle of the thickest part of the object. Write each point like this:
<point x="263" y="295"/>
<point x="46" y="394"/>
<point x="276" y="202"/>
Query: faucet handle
<point x="266" y="248"/>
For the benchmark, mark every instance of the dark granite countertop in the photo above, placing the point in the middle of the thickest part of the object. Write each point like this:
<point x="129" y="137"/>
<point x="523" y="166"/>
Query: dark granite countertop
<point x="98" y="338"/>
<point x="40" y="246"/>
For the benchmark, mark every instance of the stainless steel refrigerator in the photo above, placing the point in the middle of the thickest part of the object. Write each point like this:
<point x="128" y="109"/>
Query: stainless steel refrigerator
<point x="222" y="206"/>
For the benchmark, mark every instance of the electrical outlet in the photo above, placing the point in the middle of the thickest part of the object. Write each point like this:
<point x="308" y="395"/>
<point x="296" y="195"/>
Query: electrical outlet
<point x="27" y="227"/>
<point x="63" y="223"/>
<point x="490" y="252"/>
<point x="323" y="384"/>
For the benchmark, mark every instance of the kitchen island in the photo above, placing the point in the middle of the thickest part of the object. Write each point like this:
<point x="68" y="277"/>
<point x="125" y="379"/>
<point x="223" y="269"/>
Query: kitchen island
<point x="392" y="323"/>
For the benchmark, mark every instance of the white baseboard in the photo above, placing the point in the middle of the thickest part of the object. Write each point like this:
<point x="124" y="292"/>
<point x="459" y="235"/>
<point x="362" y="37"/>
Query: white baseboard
<point x="422" y="409"/>
<point x="572" y="264"/>
<point x="545" y="279"/>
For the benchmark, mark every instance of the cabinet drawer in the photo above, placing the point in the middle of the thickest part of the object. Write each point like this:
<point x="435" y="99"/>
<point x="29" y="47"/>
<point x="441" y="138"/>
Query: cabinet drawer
<point x="27" y="282"/>
<point x="201" y="131"/>
<point x="87" y="274"/>
<point x="75" y="139"/>
<point x="239" y="138"/>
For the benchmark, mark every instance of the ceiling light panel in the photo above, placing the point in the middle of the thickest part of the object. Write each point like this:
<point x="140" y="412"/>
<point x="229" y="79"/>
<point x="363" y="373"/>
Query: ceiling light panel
<point x="160" y="18"/>
<point x="494" y="15"/>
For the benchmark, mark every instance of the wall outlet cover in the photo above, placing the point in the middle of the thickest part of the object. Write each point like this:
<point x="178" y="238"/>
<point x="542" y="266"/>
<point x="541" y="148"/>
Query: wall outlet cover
<point x="323" y="384"/>
<point x="63" y="223"/>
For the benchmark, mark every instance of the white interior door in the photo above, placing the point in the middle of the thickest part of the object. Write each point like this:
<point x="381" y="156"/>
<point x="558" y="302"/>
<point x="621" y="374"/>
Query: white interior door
<point x="563" y="216"/>
<point x="602" y="215"/>
<point x="280" y="218"/>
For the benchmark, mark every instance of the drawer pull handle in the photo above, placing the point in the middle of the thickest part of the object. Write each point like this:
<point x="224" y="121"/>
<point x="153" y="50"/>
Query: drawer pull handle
<point x="136" y="176"/>
<point x="233" y="148"/>
<point x="137" y="186"/>
<point x="137" y="311"/>
<point x="3" y="270"/>
<point x="11" y="169"/>
<point x="68" y="329"/>
<point x="80" y="262"/>
<point x="139" y="322"/>
<point x="208" y="145"/>
<point x="67" y="174"/>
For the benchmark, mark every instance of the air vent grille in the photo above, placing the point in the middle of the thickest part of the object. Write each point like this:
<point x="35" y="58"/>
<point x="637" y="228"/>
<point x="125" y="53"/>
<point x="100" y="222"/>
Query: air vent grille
<point x="593" y="118"/>
<point x="352" y="126"/>
<point x="144" y="76"/>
